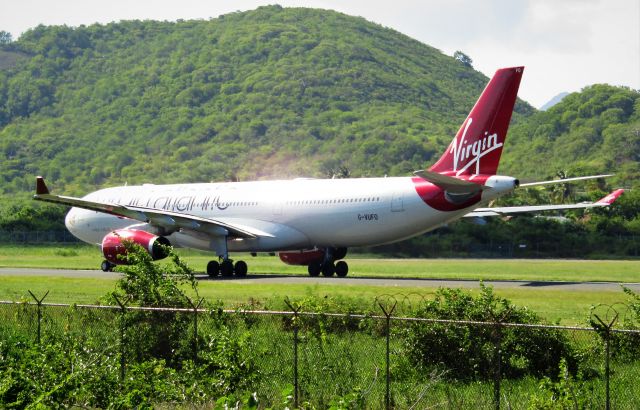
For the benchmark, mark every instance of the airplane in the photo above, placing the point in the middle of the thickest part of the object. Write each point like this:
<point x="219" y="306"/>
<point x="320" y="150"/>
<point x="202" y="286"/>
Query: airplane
<point x="313" y="222"/>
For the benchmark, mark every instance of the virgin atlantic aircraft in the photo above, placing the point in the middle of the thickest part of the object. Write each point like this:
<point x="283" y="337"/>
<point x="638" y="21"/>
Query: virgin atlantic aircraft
<point x="312" y="222"/>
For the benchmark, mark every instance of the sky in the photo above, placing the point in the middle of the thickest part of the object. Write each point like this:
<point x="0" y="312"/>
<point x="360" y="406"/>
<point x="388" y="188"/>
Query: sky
<point x="565" y="45"/>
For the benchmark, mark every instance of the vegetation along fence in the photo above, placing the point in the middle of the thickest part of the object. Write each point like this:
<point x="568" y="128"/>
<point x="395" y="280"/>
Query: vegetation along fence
<point x="119" y="357"/>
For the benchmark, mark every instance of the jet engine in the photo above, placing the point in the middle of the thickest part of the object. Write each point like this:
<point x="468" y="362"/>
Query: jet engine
<point x="113" y="245"/>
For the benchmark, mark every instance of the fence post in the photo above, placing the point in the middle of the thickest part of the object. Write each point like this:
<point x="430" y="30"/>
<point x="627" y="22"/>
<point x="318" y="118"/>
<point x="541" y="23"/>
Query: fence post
<point x="295" y="351"/>
<point x="387" y="314"/>
<point x="39" y="303"/>
<point x="123" y="309"/>
<point x="497" y="358"/>
<point x="498" y="320"/>
<point x="607" y="337"/>
<point x="195" y="327"/>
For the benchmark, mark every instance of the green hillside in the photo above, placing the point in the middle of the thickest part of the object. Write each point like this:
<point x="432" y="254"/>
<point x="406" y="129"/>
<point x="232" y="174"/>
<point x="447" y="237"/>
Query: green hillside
<point x="267" y="93"/>
<point x="594" y="131"/>
<point x="280" y="93"/>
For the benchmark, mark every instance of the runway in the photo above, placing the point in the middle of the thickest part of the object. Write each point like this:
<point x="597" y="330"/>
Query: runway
<point x="352" y="281"/>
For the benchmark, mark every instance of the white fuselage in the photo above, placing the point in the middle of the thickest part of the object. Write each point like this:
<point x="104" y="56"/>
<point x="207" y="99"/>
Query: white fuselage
<point x="292" y="214"/>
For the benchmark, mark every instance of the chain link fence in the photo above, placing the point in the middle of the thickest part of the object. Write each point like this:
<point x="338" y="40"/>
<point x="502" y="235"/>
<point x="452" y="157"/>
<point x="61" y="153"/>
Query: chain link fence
<point x="37" y="237"/>
<point x="376" y="361"/>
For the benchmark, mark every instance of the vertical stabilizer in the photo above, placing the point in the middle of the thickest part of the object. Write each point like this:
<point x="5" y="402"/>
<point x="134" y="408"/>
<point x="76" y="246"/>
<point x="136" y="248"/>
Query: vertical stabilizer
<point x="477" y="147"/>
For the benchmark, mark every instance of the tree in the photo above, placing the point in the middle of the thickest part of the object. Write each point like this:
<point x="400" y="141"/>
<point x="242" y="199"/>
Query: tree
<point x="562" y="193"/>
<point x="463" y="58"/>
<point x="5" y="37"/>
<point x="149" y="284"/>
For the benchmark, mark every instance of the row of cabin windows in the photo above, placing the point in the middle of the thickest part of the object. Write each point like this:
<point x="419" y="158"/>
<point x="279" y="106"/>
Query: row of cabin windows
<point x="234" y="204"/>
<point x="197" y="204"/>
<point x="333" y="201"/>
<point x="307" y="202"/>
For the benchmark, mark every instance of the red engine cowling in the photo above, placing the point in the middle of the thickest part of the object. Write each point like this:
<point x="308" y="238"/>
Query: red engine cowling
<point x="112" y="244"/>
<point x="304" y="257"/>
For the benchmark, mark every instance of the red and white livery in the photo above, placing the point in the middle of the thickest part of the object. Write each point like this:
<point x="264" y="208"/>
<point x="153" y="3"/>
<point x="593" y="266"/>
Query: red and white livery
<point x="312" y="222"/>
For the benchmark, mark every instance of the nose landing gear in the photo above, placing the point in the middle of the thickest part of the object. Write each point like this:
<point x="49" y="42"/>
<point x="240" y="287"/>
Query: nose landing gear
<point x="107" y="266"/>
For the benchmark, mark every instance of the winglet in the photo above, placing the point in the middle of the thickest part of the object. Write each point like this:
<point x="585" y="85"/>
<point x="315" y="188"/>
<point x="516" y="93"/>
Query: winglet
<point x="611" y="198"/>
<point x="41" y="187"/>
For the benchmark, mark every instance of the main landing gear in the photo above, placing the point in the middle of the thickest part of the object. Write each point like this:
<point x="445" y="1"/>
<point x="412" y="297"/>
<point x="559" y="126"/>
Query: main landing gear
<point x="341" y="268"/>
<point x="226" y="268"/>
<point x="328" y="266"/>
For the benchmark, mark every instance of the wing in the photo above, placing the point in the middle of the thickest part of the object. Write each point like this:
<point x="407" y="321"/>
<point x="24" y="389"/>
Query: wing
<point x="562" y="181"/>
<point x="171" y="221"/>
<point x="507" y="210"/>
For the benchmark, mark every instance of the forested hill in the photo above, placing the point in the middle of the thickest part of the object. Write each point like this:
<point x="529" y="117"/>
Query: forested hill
<point x="594" y="131"/>
<point x="268" y="93"/>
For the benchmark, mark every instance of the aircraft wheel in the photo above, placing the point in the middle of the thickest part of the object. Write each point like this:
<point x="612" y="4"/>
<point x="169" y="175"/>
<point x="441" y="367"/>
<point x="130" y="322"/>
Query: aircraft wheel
<point x="106" y="266"/>
<point x="314" y="269"/>
<point x="328" y="269"/>
<point x="241" y="268"/>
<point x="342" y="269"/>
<point x="213" y="268"/>
<point x="339" y="253"/>
<point x="226" y="268"/>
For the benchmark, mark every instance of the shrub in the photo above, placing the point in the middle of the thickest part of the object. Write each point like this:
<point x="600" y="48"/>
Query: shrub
<point x="467" y="351"/>
<point x="167" y="334"/>
<point x="320" y="324"/>
<point x="625" y="346"/>
<point x="564" y="392"/>
<point x="57" y="374"/>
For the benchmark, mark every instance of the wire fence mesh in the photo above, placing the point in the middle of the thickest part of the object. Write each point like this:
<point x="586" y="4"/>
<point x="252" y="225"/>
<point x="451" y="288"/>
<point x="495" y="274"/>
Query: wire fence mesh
<point x="319" y="358"/>
<point x="37" y="237"/>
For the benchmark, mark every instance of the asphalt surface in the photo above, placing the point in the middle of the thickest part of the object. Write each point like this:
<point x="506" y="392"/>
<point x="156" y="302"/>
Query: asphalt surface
<point x="368" y="281"/>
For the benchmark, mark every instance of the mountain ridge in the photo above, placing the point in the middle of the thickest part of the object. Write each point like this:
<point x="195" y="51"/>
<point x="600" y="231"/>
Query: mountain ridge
<point x="594" y="131"/>
<point x="270" y="93"/>
<point x="553" y="101"/>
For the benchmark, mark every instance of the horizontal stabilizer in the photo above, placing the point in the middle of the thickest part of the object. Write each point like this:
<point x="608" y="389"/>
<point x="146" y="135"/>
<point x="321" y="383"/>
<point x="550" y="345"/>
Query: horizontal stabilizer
<point x="450" y="184"/>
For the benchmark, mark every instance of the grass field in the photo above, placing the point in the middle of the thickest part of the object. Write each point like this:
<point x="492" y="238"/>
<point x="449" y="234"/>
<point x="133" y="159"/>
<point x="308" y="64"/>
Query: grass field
<point x="351" y="358"/>
<point x="565" y="307"/>
<point x="86" y="257"/>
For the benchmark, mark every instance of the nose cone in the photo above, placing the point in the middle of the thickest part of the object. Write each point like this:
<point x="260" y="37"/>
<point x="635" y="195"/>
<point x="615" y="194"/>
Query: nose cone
<point x="81" y="225"/>
<point x="71" y="221"/>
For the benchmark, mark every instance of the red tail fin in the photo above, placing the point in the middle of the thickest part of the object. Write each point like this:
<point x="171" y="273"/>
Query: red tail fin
<point x="478" y="144"/>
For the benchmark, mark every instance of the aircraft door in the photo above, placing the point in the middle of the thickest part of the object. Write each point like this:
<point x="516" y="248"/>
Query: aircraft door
<point x="277" y="208"/>
<point x="397" y="203"/>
